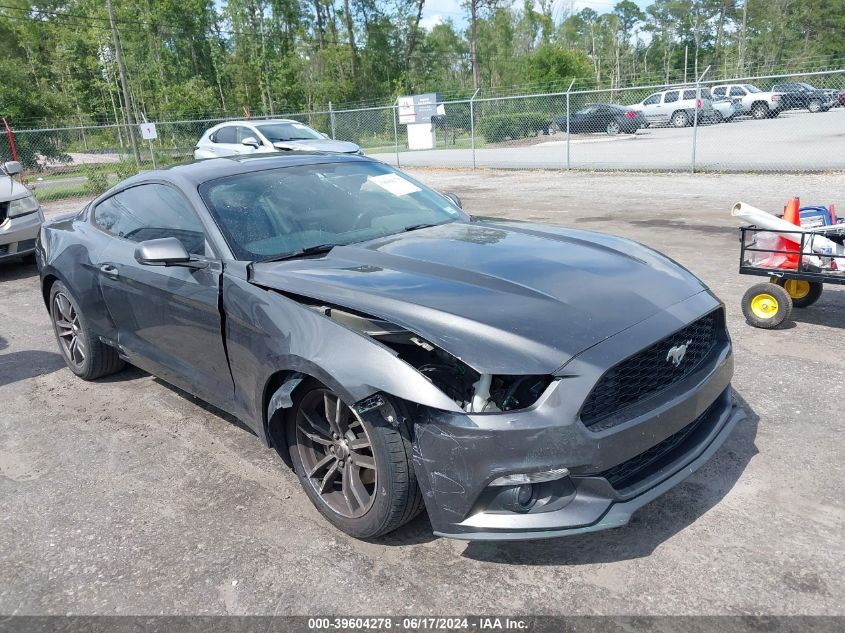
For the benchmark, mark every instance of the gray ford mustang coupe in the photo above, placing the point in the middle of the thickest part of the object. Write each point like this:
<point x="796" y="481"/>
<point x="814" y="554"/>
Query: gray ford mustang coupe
<point x="516" y="380"/>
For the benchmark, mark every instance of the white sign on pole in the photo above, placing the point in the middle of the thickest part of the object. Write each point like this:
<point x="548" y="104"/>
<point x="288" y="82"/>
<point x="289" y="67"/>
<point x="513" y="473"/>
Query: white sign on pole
<point x="148" y="131"/>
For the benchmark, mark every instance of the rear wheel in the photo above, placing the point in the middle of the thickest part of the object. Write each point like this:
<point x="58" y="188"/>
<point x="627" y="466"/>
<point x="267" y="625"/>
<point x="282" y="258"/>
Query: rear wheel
<point x="760" y="111"/>
<point x="84" y="353"/>
<point x="766" y="305"/>
<point x="718" y="117"/>
<point x="356" y="469"/>
<point x="803" y="293"/>
<point x="680" y="119"/>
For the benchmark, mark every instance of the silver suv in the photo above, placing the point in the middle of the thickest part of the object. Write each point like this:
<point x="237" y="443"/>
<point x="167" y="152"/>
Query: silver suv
<point x="677" y="107"/>
<point x="20" y="215"/>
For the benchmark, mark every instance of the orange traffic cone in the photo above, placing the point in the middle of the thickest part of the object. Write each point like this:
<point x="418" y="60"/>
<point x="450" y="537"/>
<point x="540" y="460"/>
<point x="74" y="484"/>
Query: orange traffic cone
<point x="791" y="212"/>
<point x="832" y="210"/>
<point x="787" y="255"/>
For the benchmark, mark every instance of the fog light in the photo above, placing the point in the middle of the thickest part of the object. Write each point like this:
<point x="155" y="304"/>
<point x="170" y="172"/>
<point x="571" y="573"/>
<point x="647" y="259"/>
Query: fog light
<point x="525" y="495"/>
<point x="530" y="478"/>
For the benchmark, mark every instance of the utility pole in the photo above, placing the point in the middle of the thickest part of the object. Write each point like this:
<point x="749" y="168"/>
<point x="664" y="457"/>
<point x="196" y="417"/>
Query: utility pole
<point x="124" y="83"/>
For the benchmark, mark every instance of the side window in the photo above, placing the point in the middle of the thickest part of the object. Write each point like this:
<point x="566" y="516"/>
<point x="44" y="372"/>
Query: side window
<point x="652" y="100"/>
<point x="720" y="91"/>
<point x="670" y="97"/>
<point x="149" y="212"/>
<point x="690" y="94"/>
<point x="736" y="91"/>
<point x="245" y="132"/>
<point x="228" y="134"/>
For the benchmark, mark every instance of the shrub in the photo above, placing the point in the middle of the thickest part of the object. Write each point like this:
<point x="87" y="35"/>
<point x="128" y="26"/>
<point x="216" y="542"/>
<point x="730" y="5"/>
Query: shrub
<point x="501" y="127"/>
<point x="98" y="180"/>
<point x="124" y="169"/>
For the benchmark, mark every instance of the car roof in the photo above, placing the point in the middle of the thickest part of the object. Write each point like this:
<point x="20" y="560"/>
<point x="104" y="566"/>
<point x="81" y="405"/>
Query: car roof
<point x="257" y="122"/>
<point x="200" y="171"/>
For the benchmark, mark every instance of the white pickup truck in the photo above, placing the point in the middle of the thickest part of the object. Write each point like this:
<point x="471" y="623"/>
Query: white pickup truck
<point x="759" y="104"/>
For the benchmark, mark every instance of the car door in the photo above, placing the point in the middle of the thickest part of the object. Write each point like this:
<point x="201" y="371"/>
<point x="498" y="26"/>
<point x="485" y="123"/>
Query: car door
<point x="167" y="319"/>
<point x="667" y="106"/>
<point x="224" y="142"/>
<point x="651" y="108"/>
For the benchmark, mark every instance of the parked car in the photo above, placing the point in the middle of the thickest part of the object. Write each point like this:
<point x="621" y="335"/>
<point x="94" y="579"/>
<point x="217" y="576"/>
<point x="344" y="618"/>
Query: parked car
<point x="20" y="215"/>
<point x="841" y="98"/>
<point x="726" y="109"/>
<point x="398" y="351"/>
<point x="601" y="117"/>
<point x="260" y="137"/>
<point x="759" y="104"/>
<point x="796" y="96"/>
<point x="677" y="107"/>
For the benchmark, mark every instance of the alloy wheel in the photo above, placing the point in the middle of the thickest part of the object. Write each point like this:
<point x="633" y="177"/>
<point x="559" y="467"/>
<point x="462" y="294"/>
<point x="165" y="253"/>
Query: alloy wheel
<point x="68" y="329"/>
<point x="336" y="454"/>
<point x="613" y="128"/>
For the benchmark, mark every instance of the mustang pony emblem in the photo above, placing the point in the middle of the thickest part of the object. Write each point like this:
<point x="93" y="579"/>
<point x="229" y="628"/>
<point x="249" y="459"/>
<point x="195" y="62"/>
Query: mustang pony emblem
<point x="677" y="353"/>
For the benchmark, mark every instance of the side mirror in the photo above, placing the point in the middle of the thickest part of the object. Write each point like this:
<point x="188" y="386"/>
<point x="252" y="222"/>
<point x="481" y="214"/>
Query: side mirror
<point x="454" y="199"/>
<point x="251" y="141"/>
<point x="12" y="167"/>
<point x="166" y="251"/>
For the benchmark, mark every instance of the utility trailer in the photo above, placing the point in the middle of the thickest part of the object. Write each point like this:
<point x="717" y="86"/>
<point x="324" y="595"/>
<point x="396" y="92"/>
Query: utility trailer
<point x="795" y="279"/>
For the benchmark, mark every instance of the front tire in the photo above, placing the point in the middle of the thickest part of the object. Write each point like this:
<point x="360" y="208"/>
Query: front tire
<point x="83" y="352"/>
<point x="760" y="111"/>
<point x="766" y="305"/>
<point x="718" y="118"/>
<point x="356" y="469"/>
<point x="613" y="128"/>
<point x="814" y="106"/>
<point x="680" y="119"/>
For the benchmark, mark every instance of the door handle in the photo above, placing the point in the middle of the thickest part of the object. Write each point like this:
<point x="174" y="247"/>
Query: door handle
<point x="109" y="271"/>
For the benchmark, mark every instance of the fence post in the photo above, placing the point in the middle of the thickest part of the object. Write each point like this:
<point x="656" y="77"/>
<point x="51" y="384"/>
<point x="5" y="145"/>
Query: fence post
<point x="695" y="117"/>
<point x="331" y="118"/>
<point x="568" y="90"/>
<point x="472" y="123"/>
<point x="395" y="109"/>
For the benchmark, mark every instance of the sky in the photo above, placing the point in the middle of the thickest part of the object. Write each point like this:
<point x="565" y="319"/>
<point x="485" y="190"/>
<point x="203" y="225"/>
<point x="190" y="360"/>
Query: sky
<point x="437" y="11"/>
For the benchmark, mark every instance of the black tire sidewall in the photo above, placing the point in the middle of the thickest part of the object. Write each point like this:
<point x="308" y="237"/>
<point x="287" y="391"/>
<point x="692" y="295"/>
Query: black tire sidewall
<point x="679" y="116"/>
<point x="816" y="289"/>
<point x="390" y="478"/>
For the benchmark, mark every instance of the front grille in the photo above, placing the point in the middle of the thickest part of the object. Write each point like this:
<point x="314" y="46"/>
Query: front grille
<point x="650" y="371"/>
<point x="650" y="461"/>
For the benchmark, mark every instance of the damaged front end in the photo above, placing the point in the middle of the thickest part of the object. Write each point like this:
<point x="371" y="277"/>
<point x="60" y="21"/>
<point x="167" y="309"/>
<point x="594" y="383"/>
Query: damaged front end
<point x="472" y="391"/>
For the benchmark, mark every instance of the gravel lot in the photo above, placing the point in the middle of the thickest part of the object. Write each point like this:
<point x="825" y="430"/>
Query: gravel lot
<point x="795" y="141"/>
<point x="127" y="496"/>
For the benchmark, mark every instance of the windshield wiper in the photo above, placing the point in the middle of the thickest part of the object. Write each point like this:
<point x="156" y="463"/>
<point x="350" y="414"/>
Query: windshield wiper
<point x="422" y="225"/>
<point x="303" y="252"/>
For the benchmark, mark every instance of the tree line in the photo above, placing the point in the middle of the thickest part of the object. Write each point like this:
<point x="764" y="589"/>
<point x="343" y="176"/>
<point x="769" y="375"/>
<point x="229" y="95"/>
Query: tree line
<point x="200" y="58"/>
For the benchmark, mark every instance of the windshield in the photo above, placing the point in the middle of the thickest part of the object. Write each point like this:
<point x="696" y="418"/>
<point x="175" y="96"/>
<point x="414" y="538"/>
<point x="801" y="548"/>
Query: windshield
<point x="277" y="212"/>
<point x="288" y="132"/>
<point x="751" y="88"/>
<point x="806" y="86"/>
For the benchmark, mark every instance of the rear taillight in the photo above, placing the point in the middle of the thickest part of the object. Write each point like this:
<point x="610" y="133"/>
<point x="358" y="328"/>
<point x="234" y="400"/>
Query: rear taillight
<point x="630" y="115"/>
<point x="699" y="104"/>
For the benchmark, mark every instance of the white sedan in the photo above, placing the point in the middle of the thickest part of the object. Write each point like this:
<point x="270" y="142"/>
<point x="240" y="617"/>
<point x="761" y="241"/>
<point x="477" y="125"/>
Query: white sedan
<point x="257" y="137"/>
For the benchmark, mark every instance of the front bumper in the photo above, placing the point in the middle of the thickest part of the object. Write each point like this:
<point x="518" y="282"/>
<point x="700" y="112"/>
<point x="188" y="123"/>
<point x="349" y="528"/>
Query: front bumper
<point x="17" y="235"/>
<point x="456" y="456"/>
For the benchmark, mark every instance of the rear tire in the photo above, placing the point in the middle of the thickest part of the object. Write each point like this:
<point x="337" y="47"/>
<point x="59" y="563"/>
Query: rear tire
<point x="680" y="119"/>
<point x="802" y="293"/>
<point x="717" y="117"/>
<point x="760" y="111"/>
<point x="361" y="478"/>
<point x="83" y="352"/>
<point x="766" y="305"/>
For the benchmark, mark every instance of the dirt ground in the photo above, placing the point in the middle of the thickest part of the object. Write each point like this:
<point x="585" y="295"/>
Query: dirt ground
<point x="126" y="496"/>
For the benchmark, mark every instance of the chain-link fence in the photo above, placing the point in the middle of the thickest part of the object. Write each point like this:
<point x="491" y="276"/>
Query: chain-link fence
<point x="775" y="123"/>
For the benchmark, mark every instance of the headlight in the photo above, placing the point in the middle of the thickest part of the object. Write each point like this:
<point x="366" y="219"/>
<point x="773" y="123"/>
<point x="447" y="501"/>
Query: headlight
<point x="23" y="206"/>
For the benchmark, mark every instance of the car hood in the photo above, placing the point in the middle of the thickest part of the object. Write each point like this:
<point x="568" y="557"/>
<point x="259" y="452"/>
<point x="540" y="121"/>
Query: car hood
<point x="319" y="145"/>
<point x="11" y="189"/>
<point x="504" y="297"/>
